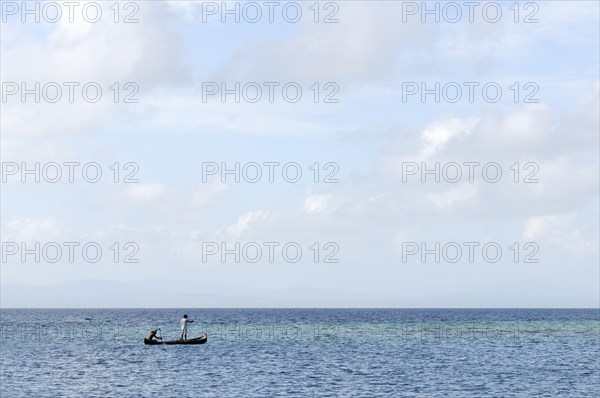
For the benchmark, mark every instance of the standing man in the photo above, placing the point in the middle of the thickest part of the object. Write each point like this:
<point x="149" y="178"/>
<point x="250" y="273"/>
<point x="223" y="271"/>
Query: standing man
<point x="184" y="321"/>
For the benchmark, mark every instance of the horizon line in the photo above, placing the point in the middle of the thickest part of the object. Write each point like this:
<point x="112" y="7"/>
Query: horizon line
<point x="300" y="308"/>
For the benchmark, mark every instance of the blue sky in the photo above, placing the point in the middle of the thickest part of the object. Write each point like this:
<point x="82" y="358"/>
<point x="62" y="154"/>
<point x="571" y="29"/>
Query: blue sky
<point x="370" y="133"/>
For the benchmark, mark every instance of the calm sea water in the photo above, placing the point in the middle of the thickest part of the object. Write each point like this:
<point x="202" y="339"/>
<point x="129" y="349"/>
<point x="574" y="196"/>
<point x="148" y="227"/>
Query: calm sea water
<point x="302" y="353"/>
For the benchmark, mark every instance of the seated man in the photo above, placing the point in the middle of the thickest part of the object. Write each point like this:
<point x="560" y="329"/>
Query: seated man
<point x="152" y="335"/>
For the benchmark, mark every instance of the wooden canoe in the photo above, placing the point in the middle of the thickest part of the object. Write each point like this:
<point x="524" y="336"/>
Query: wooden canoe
<point x="197" y="340"/>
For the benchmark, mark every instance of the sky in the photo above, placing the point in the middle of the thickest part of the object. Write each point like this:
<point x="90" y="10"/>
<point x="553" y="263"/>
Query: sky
<point x="390" y="160"/>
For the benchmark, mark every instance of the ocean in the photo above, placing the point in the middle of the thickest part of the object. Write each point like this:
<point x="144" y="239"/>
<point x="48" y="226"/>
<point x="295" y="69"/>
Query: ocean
<point x="302" y="353"/>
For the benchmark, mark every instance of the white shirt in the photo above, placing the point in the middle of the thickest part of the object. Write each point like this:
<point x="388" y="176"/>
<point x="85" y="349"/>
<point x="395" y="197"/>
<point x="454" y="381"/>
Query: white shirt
<point x="183" y="322"/>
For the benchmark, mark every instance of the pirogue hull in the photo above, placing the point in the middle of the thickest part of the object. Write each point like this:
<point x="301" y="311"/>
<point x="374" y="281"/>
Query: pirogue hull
<point x="197" y="340"/>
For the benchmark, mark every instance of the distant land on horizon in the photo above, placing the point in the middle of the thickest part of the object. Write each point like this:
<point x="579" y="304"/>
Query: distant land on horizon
<point x="185" y="294"/>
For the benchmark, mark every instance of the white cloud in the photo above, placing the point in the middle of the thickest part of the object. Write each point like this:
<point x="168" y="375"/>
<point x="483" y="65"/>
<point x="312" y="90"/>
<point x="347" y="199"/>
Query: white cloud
<point x="205" y="194"/>
<point x="32" y="229"/>
<point x="526" y="127"/>
<point x="432" y="142"/>
<point x="146" y="53"/>
<point x="245" y="222"/>
<point x="453" y="196"/>
<point x="559" y="229"/>
<point x="316" y="204"/>
<point x="145" y="192"/>
<point x="363" y="45"/>
<point x="567" y="177"/>
<point x="437" y="134"/>
<point x="537" y="227"/>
